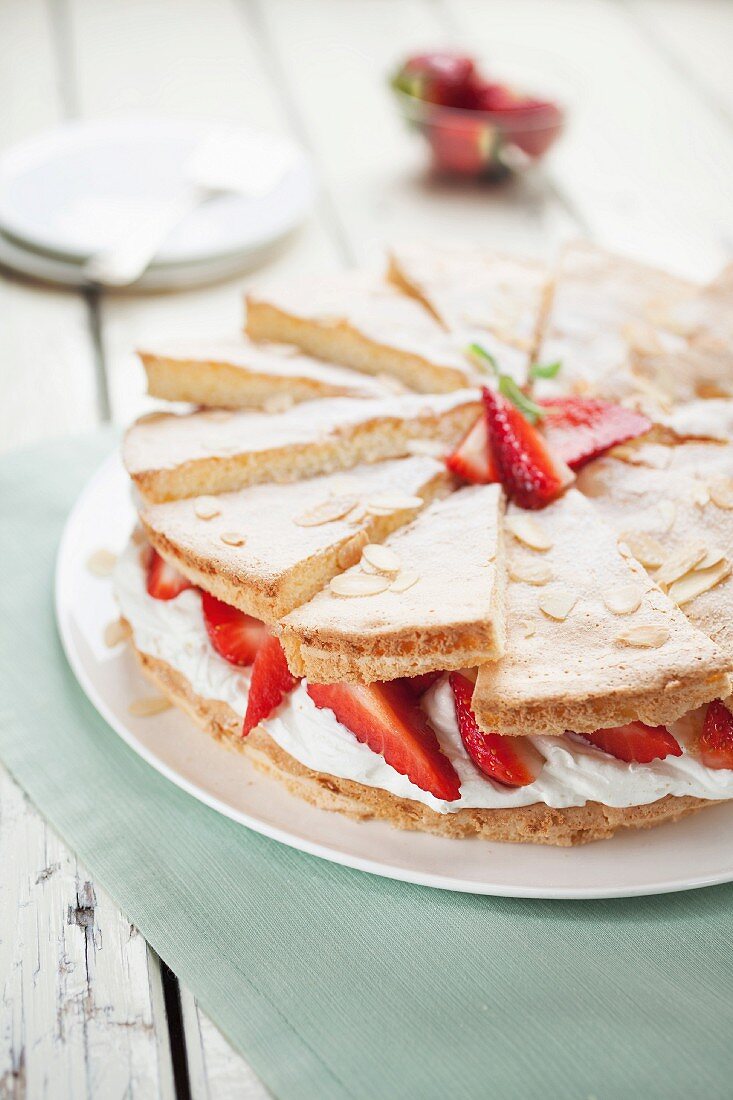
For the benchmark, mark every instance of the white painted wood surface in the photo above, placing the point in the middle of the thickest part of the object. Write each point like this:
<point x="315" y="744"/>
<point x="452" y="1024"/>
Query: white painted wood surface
<point x="646" y="167"/>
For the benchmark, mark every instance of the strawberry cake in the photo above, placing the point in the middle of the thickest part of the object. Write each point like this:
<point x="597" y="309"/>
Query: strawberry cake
<point x="499" y="609"/>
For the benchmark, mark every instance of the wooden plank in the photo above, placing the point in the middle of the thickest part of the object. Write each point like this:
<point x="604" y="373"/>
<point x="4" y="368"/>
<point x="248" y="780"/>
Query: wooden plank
<point x="47" y="371"/>
<point x="216" y="1071"/>
<point x="204" y="60"/>
<point x="81" y="1001"/>
<point x="643" y="159"/>
<point x="336" y="57"/>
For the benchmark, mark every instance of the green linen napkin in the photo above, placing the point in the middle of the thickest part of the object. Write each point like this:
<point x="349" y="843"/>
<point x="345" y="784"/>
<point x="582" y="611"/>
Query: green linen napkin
<point x="334" y="983"/>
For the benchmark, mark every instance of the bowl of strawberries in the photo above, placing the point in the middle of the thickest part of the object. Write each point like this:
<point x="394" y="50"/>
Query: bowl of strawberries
<point x="476" y="125"/>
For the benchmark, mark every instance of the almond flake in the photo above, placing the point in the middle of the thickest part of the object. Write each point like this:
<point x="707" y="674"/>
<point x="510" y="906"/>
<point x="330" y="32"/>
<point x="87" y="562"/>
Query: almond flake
<point x="528" y="531"/>
<point x="404" y="581"/>
<point x="528" y="572"/>
<point x="101" y="563"/>
<point x="381" y="558"/>
<point x="644" y="637"/>
<point x="385" y="503"/>
<point x="149" y="705"/>
<point x="558" y="603"/>
<point x="357" y="584"/>
<point x="328" y="511"/>
<point x="431" y="448"/>
<point x="699" y="494"/>
<point x="206" y="507"/>
<point x="701" y="580"/>
<point x="528" y="628"/>
<point x="350" y="552"/>
<point x="115" y="632"/>
<point x="233" y="538"/>
<point x="356" y="515"/>
<point x="680" y="562"/>
<point x="712" y="557"/>
<point x="667" y="512"/>
<point x="721" y="492"/>
<point x="644" y="548"/>
<point x="623" y="599"/>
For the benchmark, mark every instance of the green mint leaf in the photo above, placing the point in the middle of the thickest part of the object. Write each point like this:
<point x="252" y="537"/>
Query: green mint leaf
<point x="545" y="370"/>
<point x="529" y="409"/>
<point x="483" y="359"/>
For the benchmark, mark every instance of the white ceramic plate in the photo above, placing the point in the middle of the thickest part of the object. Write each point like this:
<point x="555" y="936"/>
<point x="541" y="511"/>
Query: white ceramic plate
<point x="66" y="191"/>
<point x="696" y="852"/>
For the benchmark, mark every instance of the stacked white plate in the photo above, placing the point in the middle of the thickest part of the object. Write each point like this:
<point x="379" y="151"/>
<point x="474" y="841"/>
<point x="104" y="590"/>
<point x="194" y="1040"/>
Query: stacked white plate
<point x="71" y="192"/>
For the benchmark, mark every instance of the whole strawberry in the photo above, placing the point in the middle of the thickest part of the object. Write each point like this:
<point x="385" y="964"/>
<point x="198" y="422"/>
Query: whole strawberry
<point x="439" y="76"/>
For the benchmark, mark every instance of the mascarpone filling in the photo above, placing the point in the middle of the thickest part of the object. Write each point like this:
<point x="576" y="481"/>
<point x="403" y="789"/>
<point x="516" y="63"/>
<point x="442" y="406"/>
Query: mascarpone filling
<point x="574" y="772"/>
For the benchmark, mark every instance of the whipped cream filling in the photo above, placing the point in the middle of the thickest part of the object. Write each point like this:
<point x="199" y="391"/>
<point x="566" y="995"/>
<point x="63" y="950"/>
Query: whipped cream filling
<point x="574" y="772"/>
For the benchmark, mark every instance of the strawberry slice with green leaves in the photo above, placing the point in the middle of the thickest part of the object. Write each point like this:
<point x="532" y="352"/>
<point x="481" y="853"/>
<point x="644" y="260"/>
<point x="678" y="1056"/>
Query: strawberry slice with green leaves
<point x="716" y="740"/>
<point x="472" y="459"/>
<point x="635" y="742"/>
<point x="512" y="761"/>
<point x="578" y="429"/>
<point x="163" y="581"/>
<point x="235" y="636"/>
<point x="532" y="475"/>
<point x="271" y="681"/>
<point x="387" y="718"/>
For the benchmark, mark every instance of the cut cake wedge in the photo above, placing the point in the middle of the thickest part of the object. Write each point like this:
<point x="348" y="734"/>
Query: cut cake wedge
<point x="269" y="548"/>
<point x="442" y="607"/>
<point x="592" y="642"/>
<point x="169" y="456"/>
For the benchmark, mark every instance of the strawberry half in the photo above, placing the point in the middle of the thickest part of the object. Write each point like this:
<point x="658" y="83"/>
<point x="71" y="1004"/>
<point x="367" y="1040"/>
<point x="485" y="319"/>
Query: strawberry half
<point x="635" y="743"/>
<point x="472" y="459"/>
<point x="234" y="635"/>
<point x="513" y="761"/>
<point x="578" y="429"/>
<point x="716" y="740"/>
<point x="418" y="685"/>
<point x="271" y="681"/>
<point x="164" y="582"/>
<point x="529" y="471"/>
<point x="386" y="717"/>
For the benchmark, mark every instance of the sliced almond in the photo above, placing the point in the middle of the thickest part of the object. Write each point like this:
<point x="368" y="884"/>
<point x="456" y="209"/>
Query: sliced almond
<point x="356" y="515"/>
<point x="712" y="557"/>
<point x="624" y="599"/>
<point x="699" y="494"/>
<point x="667" y="512"/>
<point x="381" y="558"/>
<point x="528" y="531"/>
<point x="206" y="507"/>
<point x="701" y="580"/>
<point x="233" y="538"/>
<point x="527" y="628"/>
<point x="358" y="584"/>
<point x="680" y="562"/>
<point x="350" y="552"/>
<point x="527" y="572"/>
<point x="102" y="563"/>
<point x="327" y="511"/>
<point x="403" y="581"/>
<point x="385" y="503"/>
<point x="149" y="705"/>
<point x="558" y="603"/>
<point x="115" y="632"/>
<point x="721" y="492"/>
<point x="644" y="548"/>
<point x="644" y="636"/>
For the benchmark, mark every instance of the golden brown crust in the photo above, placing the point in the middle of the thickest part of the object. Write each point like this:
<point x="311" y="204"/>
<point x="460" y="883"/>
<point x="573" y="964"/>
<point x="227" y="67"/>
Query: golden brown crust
<point x="538" y="824"/>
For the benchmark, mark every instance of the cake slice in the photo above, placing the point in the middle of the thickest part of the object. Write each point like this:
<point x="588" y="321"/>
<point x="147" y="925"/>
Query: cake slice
<point x="169" y="456"/>
<point x="362" y="322"/>
<point x="487" y="298"/>
<point x="238" y="373"/>
<point x="269" y="548"/>
<point x="673" y="508"/>
<point x="592" y="642"/>
<point x="432" y="598"/>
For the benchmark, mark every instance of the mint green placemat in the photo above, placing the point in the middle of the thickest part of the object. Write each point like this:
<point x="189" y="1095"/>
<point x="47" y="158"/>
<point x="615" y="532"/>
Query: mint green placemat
<point x="334" y="983"/>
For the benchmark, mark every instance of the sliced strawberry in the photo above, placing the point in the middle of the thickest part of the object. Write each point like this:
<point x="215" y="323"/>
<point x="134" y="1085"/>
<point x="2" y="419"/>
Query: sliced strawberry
<point x="530" y="123"/>
<point x="164" y="582"/>
<point x="578" y="429"/>
<point x="531" y="474"/>
<point x="716" y="740"/>
<point x="472" y="459"/>
<point x="418" y="685"/>
<point x="513" y="761"/>
<point x="463" y="144"/>
<point x="233" y="634"/>
<point x="386" y="717"/>
<point x="635" y="742"/>
<point x="271" y="681"/>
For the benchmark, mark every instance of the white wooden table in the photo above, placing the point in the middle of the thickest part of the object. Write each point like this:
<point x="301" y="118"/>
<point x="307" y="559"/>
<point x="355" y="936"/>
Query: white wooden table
<point x="87" y="1009"/>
